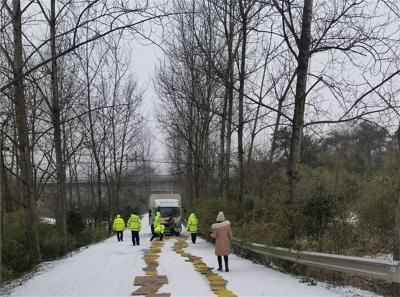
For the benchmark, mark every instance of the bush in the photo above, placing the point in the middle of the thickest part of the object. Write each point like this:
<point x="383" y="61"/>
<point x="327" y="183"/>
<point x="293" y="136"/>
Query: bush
<point x="14" y="250"/>
<point x="317" y="213"/>
<point x="75" y="222"/>
<point x="50" y="242"/>
<point x="89" y="236"/>
<point x="14" y="247"/>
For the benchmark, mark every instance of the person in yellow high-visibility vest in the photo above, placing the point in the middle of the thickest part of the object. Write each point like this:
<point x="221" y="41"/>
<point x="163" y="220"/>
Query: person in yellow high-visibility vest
<point x="134" y="224"/>
<point x="191" y="226"/>
<point x="157" y="218"/>
<point x="158" y="232"/>
<point x="156" y="221"/>
<point x="119" y="227"/>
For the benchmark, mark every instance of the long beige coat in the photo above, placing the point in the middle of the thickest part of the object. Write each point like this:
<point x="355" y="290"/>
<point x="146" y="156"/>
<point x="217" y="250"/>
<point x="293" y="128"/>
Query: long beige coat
<point x="222" y="233"/>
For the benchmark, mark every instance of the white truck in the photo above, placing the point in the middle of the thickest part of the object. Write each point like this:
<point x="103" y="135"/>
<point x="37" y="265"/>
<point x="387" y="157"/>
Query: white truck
<point x="169" y="206"/>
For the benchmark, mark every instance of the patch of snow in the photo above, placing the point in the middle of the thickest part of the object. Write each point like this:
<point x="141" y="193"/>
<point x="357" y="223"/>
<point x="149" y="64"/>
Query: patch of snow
<point x="49" y="221"/>
<point x="386" y="257"/>
<point x="346" y="291"/>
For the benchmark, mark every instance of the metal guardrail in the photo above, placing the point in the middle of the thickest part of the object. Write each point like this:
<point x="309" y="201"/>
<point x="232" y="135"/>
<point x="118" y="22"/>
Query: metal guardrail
<point x="373" y="268"/>
<point x="361" y="266"/>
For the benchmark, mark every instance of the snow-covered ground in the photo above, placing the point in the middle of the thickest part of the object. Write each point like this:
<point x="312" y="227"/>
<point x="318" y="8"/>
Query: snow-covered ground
<point x="49" y="221"/>
<point x="110" y="267"/>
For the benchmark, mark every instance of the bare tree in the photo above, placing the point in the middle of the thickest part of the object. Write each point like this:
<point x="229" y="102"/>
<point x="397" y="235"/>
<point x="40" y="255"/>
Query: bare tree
<point x="23" y="139"/>
<point x="188" y="95"/>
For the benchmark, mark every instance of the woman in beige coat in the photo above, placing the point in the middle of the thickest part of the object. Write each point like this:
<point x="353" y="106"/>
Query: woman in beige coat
<point x="222" y="233"/>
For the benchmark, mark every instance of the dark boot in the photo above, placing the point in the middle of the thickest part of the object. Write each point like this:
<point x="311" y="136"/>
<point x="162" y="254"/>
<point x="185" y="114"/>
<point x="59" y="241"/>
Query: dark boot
<point x="226" y="263"/>
<point x="219" y="263"/>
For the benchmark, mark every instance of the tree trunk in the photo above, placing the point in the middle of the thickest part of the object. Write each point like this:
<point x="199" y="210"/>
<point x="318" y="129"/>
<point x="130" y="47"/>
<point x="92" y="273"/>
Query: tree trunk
<point x="56" y="121"/>
<point x="281" y="99"/>
<point x="228" y="136"/>
<point x="94" y="146"/>
<point x="5" y="195"/>
<point x="242" y="78"/>
<point x="230" y="83"/>
<point x="221" y="162"/>
<point x="275" y="134"/>
<point x="396" y="234"/>
<point x="78" y="192"/>
<point x="27" y="181"/>
<point x="254" y="129"/>
<point x="228" y="140"/>
<point x="298" y="119"/>
<point x="71" y="189"/>
<point x="1" y="203"/>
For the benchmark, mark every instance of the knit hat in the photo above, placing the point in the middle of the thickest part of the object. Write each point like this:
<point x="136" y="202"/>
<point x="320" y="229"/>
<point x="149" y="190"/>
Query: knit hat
<point x="220" y="217"/>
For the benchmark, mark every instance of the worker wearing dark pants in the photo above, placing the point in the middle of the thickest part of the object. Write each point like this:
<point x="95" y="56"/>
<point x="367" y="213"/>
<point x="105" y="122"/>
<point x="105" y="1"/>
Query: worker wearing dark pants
<point x="160" y="235"/>
<point x="120" y="235"/>
<point x="151" y="220"/>
<point x="118" y="226"/>
<point x="134" y="224"/>
<point x="135" y="237"/>
<point x="158" y="232"/>
<point x="191" y="226"/>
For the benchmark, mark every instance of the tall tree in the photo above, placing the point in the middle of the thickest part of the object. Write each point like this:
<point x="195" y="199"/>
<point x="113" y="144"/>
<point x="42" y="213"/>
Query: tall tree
<point x="303" y="58"/>
<point x="56" y="121"/>
<point x="31" y="223"/>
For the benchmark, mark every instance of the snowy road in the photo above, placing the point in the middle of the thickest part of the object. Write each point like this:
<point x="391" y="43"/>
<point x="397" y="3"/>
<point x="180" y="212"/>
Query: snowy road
<point x="109" y="269"/>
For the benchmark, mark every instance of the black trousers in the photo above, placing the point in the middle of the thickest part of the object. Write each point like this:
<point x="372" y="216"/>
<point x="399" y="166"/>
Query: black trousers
<point x="135" y="237"/>
<point x="220" y="262"/>
<point x="152" y="228"/>
<point x="161" y="235"/>
<point x="120" y="235"/>
<point x="194" y="236"/>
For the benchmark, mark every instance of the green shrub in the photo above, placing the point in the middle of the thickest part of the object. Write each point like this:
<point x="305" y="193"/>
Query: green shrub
<point x="276" y="231"/>
<point x="50" y="242"/>
<point x="89" y="236"/>
<point x="75" y="222"/>
<point x="14" y="247"/>
<point x="317" y="212"/>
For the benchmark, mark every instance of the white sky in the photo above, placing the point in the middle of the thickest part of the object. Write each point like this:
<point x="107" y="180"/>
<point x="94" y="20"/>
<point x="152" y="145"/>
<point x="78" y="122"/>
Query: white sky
<point x="144" y="61"/>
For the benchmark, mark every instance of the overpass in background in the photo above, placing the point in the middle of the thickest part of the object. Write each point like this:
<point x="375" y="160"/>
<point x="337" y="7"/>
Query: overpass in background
<point x="132" y="190"/>
<point x="152" y="183"/>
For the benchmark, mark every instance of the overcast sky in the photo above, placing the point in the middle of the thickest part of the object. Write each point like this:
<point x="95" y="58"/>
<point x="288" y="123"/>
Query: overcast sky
<point x="144" y="60"/>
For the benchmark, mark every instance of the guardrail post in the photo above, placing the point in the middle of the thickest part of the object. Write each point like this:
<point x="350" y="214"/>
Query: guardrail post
<point x="394" y="271"/>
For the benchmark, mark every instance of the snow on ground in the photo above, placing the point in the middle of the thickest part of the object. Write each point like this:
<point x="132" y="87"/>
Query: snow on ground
<point x="49" y="221"/>
<point x="182" y="279"/>
<point x="246" y="278"/>
<point x="103" y="269"/>
<point x="109" y="268"/>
